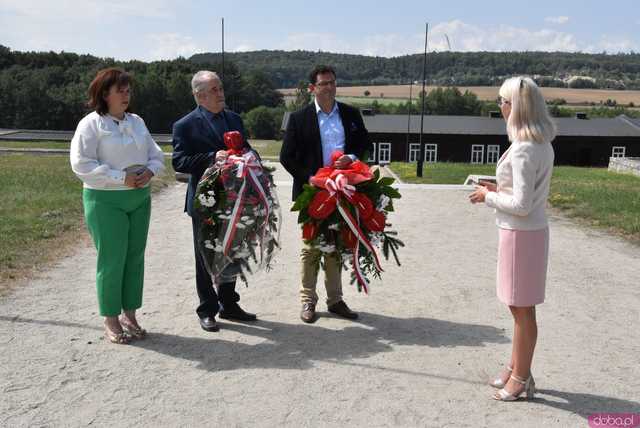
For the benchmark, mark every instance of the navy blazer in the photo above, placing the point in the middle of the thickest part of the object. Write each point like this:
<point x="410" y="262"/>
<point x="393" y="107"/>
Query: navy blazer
<point x="301" y="153"/>
<point x="195" y="145"/>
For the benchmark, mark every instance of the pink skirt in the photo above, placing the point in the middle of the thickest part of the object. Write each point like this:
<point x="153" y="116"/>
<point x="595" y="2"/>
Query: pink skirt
<point x="522" y="266"/>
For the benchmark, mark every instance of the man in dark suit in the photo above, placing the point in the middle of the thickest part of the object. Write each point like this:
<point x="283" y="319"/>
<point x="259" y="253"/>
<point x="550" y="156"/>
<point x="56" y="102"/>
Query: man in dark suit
<point x="312" y="134"/>
<point x="197" y="142"/>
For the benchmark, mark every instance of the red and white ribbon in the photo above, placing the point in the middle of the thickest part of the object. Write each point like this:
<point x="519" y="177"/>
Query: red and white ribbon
<point x="247" y="168"/>
<point x="340" y="185"/>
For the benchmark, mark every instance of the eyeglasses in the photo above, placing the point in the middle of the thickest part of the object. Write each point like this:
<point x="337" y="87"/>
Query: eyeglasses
<point x="501" y="101"/>
<point x="326" y="83"/>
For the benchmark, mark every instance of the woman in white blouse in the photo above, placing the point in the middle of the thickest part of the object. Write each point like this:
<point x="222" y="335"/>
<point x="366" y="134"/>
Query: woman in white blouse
<point x="523" y="177"/>
<point x="114" y="155"/>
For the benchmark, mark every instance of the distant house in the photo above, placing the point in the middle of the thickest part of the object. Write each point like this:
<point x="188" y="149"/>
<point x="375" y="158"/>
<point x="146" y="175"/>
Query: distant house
<point x="474" y="139"/>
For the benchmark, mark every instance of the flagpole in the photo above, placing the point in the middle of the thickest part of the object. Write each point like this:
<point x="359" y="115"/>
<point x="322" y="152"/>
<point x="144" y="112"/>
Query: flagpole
<point x="424" y="96"/>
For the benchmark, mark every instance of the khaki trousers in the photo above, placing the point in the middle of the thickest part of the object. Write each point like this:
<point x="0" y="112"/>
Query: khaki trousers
<point x="310" y="258"/>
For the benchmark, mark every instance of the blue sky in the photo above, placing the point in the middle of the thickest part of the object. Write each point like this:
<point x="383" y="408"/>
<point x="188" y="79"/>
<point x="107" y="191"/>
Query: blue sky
<point x="164" y="29"/>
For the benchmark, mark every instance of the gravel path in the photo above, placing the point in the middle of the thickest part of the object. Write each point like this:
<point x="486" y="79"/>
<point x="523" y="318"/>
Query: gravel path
<point x="429" y="336"/>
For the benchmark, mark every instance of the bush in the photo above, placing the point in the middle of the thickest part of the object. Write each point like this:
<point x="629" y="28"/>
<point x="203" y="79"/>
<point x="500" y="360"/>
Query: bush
<point x="264" y="122"/>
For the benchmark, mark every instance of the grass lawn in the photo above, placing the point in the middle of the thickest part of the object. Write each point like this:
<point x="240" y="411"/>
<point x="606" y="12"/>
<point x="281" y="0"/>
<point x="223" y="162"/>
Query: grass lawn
<point x="41" y="211"/>
<point x="34" y="144"/>
<point x="593" y="195"/>
<point x="268" y="149"/>
<point x="440" y="172"/>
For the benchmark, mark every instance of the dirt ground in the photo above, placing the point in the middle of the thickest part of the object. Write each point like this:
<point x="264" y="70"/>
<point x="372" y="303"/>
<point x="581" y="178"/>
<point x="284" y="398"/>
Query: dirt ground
<point x="428" y="338"/>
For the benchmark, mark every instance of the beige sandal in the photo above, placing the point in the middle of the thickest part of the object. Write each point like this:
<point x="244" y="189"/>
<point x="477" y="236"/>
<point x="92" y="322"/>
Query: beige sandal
<point x="498" y="382"/>
<point x="117" y="338"/>
<point x="136" y="332"/>
<point x="529" y="390"/>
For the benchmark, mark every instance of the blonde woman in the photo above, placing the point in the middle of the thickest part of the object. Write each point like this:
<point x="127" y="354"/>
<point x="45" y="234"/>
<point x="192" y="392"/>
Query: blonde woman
<point x="520" y="197"/>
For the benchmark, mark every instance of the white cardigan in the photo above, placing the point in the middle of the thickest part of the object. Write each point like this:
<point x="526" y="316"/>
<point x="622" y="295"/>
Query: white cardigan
<point x="523" y="174"/>
<point x="102" y="147"/>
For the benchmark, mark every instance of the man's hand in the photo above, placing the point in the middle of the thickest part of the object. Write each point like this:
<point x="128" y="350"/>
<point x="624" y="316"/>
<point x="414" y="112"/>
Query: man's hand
<point x="343" y="162"/>
<point x="221" y="156"/>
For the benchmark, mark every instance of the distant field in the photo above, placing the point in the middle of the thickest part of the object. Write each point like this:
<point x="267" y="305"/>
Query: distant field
<point x="490" y="93"/>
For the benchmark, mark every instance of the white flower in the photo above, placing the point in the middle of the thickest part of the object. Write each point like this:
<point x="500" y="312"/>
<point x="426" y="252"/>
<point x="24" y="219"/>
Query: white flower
<point x="208" y="245"/>
<point x="327" y="248"/>
<point x="240" y="226"/>
<point x="334" y="226"/>
<point x="207" y="201"/>
<point x="383" y="201"/>
<point x="249" y="222"/>
<point x="241" y="254"/>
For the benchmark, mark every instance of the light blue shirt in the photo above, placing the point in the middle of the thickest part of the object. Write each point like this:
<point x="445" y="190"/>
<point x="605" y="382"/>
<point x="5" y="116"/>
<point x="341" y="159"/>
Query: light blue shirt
<point x="331" y="132"/>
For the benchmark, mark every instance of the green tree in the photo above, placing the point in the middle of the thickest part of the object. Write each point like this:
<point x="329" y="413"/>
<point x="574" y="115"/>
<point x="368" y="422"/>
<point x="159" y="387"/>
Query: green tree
<point x="264" y="122"/>
<point x="303" y="97"/>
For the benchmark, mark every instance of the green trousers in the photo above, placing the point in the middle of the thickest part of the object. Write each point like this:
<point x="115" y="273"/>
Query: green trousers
<point x="118" y="221"/>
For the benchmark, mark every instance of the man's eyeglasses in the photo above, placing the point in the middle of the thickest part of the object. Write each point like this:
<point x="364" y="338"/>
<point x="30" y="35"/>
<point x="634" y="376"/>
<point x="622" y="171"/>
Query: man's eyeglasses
<point x="325" y="83"/>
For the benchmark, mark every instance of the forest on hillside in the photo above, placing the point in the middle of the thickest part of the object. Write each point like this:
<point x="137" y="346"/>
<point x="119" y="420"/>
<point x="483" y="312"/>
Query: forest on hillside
<point x="48" y="90"/>
<point x="557" y="69"/>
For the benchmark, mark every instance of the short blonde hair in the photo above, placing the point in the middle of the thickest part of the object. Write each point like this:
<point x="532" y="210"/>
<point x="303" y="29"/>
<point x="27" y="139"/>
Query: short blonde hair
<point x="529" y="119"/>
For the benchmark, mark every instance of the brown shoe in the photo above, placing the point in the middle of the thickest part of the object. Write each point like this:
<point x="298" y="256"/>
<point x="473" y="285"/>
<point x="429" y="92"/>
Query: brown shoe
<point x="341" y="309"/>
<point x="308" y="313"/>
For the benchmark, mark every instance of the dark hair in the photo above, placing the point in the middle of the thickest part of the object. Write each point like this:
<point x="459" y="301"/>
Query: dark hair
<point x="101" y="85"/>
<point x="320" y="69"/>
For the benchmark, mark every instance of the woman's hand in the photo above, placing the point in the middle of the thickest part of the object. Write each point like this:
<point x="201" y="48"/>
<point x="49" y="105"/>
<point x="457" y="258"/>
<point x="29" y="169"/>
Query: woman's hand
<point x="144" y="177"/>
<point x="130" y="179"/>
<point x="489" y="185"/>
<point x="478" y="195"/>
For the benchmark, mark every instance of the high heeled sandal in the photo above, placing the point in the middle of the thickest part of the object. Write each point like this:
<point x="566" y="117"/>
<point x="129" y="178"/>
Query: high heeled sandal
<point x="498" y="382"/>
<point x="136" y="332"/>
<point x="529" y="390"/>
<point x="117" y="338"/>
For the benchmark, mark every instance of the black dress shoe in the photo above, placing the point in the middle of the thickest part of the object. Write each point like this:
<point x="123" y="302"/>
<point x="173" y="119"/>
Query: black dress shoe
<point x="209" y="324"/>
<point x="236" y="313"/>
<point x="341" y="309"/>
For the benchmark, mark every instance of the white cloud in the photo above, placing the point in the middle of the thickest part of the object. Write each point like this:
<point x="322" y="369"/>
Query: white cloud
<point x="171" y="45"/>
<point x="244" y="47"/>
<point x="557" y="19"/>
<point x="467" y="37"/>
<point x="611" y="44"/>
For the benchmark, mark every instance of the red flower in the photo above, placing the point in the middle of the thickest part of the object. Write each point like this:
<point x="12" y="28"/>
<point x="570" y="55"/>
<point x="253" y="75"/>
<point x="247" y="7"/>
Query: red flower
<point x="355" y="173"/>
<point x="348" y="238"/>
<point x="309" y="231"/>
<point x="376" y="222"/>
<point x="322" y="205"/>
<point x="234" y="141"/>
<point x="208" y="221"/>
<point x="363" y="204"/>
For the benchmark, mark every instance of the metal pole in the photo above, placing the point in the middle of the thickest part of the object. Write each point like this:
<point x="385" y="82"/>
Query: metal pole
<point x="424" y="96"/>
<point x="409" y="117"/>
<point x="222" y="74"/>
